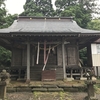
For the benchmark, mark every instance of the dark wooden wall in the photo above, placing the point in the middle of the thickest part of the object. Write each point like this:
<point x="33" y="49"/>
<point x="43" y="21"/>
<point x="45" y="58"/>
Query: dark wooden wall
<point x="16" y="57"/>
<point x="19" y="58"/>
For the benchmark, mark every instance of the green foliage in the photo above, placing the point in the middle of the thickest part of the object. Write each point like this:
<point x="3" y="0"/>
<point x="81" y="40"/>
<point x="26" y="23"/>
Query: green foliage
<point x="81" y="15"/>
<point x="2" y="3"/>
<point x="2" y="13"/>
<point x="81" y="10"/>
<point x="5" y="57"/>
<point x="83" y="55"/>
<point x="31" y="9"/>
<point x="9" y="19"/>
<point x="5" y="21"/>
<point x="38" y="8"/>
<point x="94" y="24"/>
<point x="63" y="4"/>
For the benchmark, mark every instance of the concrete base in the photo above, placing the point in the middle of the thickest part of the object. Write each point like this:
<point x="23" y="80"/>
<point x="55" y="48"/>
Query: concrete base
<point x="27" y="81"/>
<point x="70" y="79"/>
<point x="94" y="78"/>
<point x="93" y="98"/>
<point x="83" y="78"/>
<point x="90" y="98"/>
<point x="2" y="90"/>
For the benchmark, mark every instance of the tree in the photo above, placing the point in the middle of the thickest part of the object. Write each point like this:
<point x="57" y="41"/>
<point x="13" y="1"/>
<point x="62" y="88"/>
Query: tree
<point x="45" y="6"/>
<point x="2" y="13"/>
<point x="94" y="24"/>
<point x="81" y="16"/>
<point x="38" y="8"/>
<point x="63" y="4"/>
<point x="5" y="21"/>
<point x="9" y="19"/>
<point x="5" y="57"/>
<point x="83" y="56"/>
<point x="30" y="9"/>
<point x="81" y="10"/>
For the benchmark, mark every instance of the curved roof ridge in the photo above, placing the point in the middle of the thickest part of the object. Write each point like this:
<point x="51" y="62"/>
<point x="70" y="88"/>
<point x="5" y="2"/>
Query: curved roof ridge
<point x="43" y="17"/>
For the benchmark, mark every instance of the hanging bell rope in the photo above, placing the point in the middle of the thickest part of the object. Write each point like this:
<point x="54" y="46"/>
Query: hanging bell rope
<point x="44" y="52"/>
<point x="47" y="58"/>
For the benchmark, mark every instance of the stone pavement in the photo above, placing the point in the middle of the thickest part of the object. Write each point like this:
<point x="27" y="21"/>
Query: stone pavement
<point x="48" y="96"/>
<point x="19" y="90"/>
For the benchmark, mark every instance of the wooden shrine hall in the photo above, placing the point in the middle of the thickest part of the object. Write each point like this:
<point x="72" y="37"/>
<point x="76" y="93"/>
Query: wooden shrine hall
<point x="45" y="48"/>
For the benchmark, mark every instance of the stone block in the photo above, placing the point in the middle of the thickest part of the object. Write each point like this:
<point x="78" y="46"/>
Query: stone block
<point x="35" y="86"/>
<point x="2" y="92"/>
<point x="94" y="78"/>
<point x="24" y="89"/>
<point x="49" y="86"/>
<point x="70" y="79"/>
<point x="55" y="89"/>
<point x="65" y="86"/>
<point x="77" y="85"/>
<point x="71" y="89"/>
<point x="83" y="78"/>
<point x="11" y="89"/>
<point x="93" y="98"/>
<point x="39" y="89"/>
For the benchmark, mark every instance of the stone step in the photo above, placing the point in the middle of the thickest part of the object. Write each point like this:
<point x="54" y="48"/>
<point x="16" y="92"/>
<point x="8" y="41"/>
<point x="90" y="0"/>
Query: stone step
<point x="47" y="88"/>
<point x="39" y="90"/>
<point x="55" y="89"/>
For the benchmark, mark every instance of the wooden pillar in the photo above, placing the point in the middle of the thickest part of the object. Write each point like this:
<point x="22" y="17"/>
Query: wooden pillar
<point x="81" y="72"/>
<point x="63" y="57"/>
<point x="89" y="56"/>
<point x="28" y="62"/>
<point x="19" y="74"/>
<point x="71" y="73"/>
<point x="97" y="71"/>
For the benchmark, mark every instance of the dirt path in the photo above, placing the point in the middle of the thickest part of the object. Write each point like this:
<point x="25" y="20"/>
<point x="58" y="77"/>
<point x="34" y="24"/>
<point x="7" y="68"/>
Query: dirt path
<point x="46" y="96"/>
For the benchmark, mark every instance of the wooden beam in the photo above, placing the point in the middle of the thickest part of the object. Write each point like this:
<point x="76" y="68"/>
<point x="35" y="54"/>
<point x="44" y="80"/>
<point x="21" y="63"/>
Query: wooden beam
<point x="42" y="42"/>
<point x="28" y="62"/>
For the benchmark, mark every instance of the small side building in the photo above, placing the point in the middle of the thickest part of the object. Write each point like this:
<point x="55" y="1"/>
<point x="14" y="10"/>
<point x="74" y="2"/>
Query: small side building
<point x="95" y="49"/>
<point x="46" y="43"/>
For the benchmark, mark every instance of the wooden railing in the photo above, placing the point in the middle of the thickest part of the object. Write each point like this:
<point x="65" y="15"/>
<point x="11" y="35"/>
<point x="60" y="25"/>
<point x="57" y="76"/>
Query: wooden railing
<point x="76" y="73"/>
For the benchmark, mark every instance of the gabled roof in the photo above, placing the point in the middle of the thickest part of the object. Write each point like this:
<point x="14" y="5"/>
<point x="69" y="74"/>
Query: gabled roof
<point x="44" y="25"/>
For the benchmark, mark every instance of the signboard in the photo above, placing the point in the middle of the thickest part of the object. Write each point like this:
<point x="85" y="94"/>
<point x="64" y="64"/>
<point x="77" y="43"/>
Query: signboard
<point x="95" y="50"/>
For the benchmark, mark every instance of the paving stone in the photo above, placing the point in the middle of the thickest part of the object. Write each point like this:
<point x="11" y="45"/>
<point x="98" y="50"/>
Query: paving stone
<point x="11" y="89"/>
<point x="71" y="89"/>
<point x="70" y="79"/>
<point x="77" y="86"/>
<point x="35" y="86"/>
<point x="27" y="89"/>
<point x="49" y="86"/>
<point x="64" y="86"/>
<point x="83" y="78"/>
<point x="55" y="89"/>
<point x="93" y="98"/>
<point x="39" y="89"/>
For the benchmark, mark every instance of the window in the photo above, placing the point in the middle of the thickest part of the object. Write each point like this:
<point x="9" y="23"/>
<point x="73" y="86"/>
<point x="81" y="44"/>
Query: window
<point x="98" y="48"/>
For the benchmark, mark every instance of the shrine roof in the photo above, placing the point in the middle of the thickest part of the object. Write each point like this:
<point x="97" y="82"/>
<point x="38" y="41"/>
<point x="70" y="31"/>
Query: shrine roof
<point x="46" y="25"/>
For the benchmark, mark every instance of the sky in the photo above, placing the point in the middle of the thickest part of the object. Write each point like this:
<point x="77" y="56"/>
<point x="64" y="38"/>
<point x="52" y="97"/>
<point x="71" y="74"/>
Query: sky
<point x="15" y="6"/>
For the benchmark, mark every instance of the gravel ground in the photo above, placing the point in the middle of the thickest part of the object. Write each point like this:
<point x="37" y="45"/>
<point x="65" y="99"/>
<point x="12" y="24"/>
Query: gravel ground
<point x="46" y="96"/>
